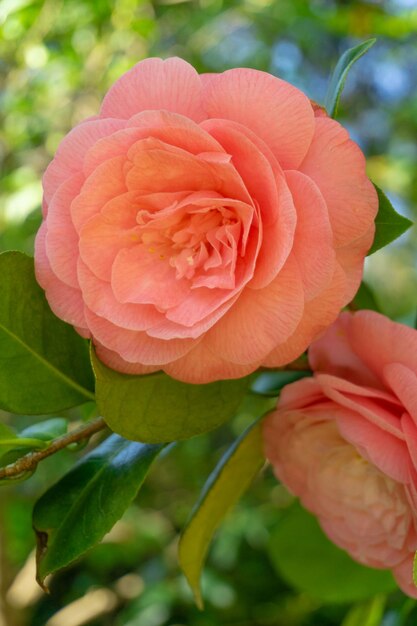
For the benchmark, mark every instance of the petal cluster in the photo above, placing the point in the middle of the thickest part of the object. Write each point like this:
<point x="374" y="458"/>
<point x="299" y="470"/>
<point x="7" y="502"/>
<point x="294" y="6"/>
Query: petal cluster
<point x="345" y="440"/>
<point x="203" y="225"/>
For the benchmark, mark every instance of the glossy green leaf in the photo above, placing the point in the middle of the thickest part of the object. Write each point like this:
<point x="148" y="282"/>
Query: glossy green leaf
<point x="44" y="364"/>
<point x="82" y="507"/>
<point x="340" y="72"/>
<point x="364" y="299"/>
<point x="46" y="430"/>
<point x="157" y="408"/>
<point x="388" y="223"/>
<point x="225" y="486"/>
<point x="308" y="561"/>
<point x="367" y="613"/>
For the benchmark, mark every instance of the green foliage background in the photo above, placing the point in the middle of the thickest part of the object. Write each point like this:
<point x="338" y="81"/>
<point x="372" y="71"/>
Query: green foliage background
<point x="57" y="58"/>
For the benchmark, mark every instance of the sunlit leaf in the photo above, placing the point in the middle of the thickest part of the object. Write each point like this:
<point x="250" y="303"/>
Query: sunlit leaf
<point x="157" y="408"/>
<point x="308" y="561"/>
<point x="389" y="224"/>
<point x="76" y="513"/>
<point x="225" y="486"/>
<point x="44" y="364"/>
<point x="338" y="79"/>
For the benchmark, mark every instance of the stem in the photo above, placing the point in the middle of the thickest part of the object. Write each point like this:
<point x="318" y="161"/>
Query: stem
<point x="29" y="462"/>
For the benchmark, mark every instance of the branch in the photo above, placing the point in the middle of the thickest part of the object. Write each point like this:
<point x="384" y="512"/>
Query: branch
<point x="29" y="462"/>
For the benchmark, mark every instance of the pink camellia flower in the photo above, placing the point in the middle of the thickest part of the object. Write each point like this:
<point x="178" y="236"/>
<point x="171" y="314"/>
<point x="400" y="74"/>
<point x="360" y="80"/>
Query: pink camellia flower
<point x="345" y="441"/>
<point x="203" y="225"/>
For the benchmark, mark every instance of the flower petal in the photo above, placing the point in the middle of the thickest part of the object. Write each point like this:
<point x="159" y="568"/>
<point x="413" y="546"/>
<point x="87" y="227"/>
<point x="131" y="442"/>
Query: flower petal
<point x="379" y="447"/>
<point x="403" y="383"/>
<point x="275" y="110"/>
<point x="318" y="315"/>
<point x="140" y="276"/>
<point x="99" y="298"/>
<point x="136" y="346"/>
<point x="66" y="302"/>
<point x="267" y="186"/>
<point x="106" y="233"/>
<point x="115" y="362"/>
<point x="104" y="184"/>
<point x="201" y="366"/>
<point x="62" y="238"/>
<point x="379" y="407"/>
<point x="333" y="354"/>
<point x="260" y="319"/>
<point x="379" y="341"/>
<point x="403" y="574"/>
<point x="173" y="85"/>
<point x="313" y="240"/>
<point x="337" y="166"/>
<point x="69" y="157"/>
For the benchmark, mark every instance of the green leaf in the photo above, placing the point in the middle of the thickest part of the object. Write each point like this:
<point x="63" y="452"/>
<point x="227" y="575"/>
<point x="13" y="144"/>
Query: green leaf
<point x="82" y="507"/>
<point x="47" y="430"/>
<point x="366" y="614"/>
<point x="223" y="489"/>
<point x="156" y="408"/>
<point x="388" y="223"/>
<point x="308" y="561"/>
<point x="33" y="437"/>
<point x="16" y="443"/>
<point x="10" y="441"/>
<point x="44" y="363"/>
<point x="340" y="72"/>
<point x="364" y="299"/>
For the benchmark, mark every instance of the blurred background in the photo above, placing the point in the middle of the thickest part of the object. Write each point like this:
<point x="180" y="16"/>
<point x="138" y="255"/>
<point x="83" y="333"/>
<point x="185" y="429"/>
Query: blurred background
<point x="57" y="59"/>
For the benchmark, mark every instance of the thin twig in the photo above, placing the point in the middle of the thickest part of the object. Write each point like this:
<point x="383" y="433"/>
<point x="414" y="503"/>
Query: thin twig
<point x="30" y="461"/>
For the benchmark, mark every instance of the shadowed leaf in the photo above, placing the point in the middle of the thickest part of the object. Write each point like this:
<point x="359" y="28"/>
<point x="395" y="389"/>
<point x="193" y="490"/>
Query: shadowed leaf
<point x="76" y="513"/>
<point x="44" y="365"/>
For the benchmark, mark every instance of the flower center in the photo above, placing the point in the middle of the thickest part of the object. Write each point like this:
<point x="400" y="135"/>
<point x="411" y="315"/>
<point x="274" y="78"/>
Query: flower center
<point x="195" y="241"/>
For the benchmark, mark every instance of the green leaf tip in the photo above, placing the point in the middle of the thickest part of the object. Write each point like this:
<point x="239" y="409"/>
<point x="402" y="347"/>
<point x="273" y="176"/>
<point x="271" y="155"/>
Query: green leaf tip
<point x="76" y="512"/>
<point x="389" y="225"/>
<point x="338" y="78"/>
<point x="223" y="489"/>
